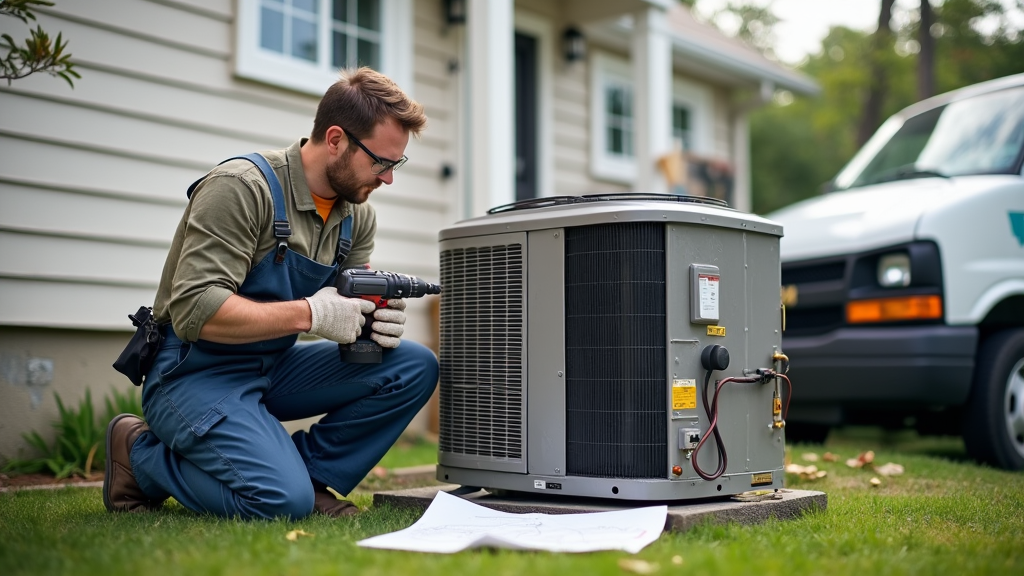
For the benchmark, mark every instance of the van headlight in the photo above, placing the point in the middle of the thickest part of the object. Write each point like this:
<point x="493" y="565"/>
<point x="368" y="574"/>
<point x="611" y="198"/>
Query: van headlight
<point x="894" y="270"/>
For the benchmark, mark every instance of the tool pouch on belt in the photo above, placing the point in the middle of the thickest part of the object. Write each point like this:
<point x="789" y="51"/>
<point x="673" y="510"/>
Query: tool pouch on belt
<point x="137" y="357"/>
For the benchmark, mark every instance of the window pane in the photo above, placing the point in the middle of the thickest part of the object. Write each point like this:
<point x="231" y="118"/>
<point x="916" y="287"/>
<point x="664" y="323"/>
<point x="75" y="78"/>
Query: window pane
<point x="368" y="54"/>
<point x="618" y="120"/>
<point x="340" y="50"/>
<point x="369" y="15"/>
<point x="680" y="118"/>
<point x="304" y="39"/>
<point x="341" y="10"/>
<point x="307" y="5"/>
<point x="272" y="30"/>
<point x="681" y="126"/>
<point x="614" y="101"/>
<point x="615" y="140"/>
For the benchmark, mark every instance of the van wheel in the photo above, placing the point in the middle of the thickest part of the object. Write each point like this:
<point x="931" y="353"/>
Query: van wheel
<point x="994" y="418"/>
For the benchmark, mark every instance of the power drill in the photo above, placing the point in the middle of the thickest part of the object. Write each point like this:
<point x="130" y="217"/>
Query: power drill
<point x="378" y="287"/>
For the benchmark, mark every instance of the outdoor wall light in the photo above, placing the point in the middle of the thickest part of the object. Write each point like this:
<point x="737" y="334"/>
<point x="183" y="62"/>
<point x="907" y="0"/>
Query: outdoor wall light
<point x="574" y="44"/>
<point x="455" y="11"/>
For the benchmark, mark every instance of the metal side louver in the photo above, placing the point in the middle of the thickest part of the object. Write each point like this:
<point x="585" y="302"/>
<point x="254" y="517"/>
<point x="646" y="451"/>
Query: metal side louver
<point x="482" y="351"/>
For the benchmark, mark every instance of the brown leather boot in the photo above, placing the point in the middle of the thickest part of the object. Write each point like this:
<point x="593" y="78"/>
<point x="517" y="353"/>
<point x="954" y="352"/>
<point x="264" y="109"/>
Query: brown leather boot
<point x="121" y="493"/>
<point x="326" y="503"/>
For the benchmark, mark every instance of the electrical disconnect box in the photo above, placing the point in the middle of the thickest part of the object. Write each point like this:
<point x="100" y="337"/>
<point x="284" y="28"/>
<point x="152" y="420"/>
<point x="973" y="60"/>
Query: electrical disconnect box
<point x="704" y="290"/>
<point x="611" y="346"/>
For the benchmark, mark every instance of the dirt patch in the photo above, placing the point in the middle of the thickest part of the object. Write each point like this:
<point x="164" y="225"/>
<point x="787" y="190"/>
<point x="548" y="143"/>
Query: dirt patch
<point x="376" y="480"/>
<point x="25" y="480"/>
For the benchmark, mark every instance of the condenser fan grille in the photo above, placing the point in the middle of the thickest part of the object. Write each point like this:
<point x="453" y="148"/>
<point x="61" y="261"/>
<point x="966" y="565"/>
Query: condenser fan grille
<point x="482" y="351"/>
<point x="615" y="351"/>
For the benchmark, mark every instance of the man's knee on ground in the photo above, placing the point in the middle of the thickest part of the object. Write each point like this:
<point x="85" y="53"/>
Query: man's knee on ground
<point x="294" y="501"/>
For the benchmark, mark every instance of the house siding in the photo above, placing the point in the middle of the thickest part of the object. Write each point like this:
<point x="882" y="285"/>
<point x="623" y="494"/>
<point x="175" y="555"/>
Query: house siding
<point x="572" y="133"/>
<point x="93" y="180"/>
<point x="573" y="175"/>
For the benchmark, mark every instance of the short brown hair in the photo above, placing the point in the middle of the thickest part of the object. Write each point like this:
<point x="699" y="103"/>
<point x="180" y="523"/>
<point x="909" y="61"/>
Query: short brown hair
<point x="362" y="99"/>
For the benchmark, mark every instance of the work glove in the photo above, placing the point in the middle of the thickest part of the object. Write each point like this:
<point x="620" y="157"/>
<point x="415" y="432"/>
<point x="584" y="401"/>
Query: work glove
<point x="389" y="324"/>
<point x="337" y="318"/>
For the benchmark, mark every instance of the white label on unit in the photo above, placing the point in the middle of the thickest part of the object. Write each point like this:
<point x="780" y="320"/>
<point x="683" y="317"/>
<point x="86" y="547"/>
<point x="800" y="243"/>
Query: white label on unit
<point x="708" y="285"/>
<point x="538" y="484"/>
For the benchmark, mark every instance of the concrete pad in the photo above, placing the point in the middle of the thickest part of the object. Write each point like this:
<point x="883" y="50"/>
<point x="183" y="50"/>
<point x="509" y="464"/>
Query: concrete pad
<point x="682" y="515"/>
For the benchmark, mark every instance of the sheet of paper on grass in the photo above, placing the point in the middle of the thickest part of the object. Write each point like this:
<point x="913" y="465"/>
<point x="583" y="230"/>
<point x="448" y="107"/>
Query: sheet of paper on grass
<point x="452" y="524"/>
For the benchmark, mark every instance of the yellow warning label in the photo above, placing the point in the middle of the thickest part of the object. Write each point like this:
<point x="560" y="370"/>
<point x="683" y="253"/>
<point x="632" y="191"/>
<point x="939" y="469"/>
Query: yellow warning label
<point x="777" y="406"/>
<point x="684" y="394"/>
<point x="716" y="330"/>
<point x="761" y="479"/>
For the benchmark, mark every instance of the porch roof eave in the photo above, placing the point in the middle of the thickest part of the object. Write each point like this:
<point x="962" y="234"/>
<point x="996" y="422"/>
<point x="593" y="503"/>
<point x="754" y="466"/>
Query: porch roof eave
<point x="746" y="67"/>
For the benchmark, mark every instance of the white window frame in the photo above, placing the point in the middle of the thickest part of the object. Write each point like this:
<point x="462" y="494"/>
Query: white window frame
<point x="254" y="62"/>
<point x="699" y="100"/>
<point x="608" y="69"/>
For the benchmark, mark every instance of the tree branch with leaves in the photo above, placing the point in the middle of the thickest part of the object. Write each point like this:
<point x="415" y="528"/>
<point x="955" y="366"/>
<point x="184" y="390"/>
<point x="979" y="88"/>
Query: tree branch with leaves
<point x="38" y="53"/>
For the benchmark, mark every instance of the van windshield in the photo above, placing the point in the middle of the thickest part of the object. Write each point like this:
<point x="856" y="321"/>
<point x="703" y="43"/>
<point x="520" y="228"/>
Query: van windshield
<point x="979" y="135"/>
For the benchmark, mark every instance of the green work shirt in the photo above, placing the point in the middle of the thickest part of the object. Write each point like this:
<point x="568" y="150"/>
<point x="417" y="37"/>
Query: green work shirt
<point x="227" y="229"/>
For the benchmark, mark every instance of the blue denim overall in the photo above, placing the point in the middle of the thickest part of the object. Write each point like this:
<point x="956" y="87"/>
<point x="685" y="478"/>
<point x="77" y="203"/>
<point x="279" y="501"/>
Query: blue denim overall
<point x="216" y="443"/>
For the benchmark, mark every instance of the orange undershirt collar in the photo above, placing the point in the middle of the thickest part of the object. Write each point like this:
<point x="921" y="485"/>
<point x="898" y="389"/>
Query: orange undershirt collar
<point x="323" y="206"/>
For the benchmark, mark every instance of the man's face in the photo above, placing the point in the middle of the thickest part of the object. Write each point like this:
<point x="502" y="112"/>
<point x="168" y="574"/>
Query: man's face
<point x="346" y="182"/>
<point x="350" y="174"/>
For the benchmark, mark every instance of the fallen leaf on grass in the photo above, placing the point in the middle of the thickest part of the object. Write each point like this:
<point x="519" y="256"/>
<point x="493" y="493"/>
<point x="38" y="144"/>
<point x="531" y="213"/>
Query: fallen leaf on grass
<point x="830" y="457"/>
<point x="875" y="482"/>
<point x="810" y="457"/>
<point x="637" y="566"/>
<point x="295" y="534"/>
<point x="806" y="472"/>
<point x="757" y="496"/>
<point x="890" y="469"/>
<point x="862" y="460"/>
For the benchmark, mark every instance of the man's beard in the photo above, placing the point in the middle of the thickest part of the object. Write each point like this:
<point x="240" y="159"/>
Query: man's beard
<point x="346" y="183"/>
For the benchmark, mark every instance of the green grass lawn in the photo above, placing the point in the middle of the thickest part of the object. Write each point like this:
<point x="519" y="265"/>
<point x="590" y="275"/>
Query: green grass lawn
<point x="410" y="451"/>
<point x="945" y="515"/>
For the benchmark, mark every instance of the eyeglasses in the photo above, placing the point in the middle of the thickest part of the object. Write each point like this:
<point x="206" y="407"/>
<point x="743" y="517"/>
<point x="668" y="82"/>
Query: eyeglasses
<point x="380" y="165"/>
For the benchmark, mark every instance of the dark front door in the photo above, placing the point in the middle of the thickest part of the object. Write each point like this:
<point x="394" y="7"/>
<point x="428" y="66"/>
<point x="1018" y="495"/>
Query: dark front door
<point x="526" y="117"/>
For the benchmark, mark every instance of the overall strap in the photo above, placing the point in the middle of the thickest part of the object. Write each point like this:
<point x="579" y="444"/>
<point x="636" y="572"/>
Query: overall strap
<point x="282" y="231"/>
<point x="345" y="239"/>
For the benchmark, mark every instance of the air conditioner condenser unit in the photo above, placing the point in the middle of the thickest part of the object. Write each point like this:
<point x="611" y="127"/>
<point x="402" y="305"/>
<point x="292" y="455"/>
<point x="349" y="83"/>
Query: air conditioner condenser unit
<point x="575" y="332"/>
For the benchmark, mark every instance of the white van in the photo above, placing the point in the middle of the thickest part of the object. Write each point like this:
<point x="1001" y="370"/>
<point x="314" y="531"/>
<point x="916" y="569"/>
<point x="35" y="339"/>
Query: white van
<point x="904" y="285"/>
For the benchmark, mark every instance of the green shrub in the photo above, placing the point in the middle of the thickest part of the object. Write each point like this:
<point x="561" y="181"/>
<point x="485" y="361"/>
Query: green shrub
<point x="116" y="403"/>
<point x="79" y="446"/>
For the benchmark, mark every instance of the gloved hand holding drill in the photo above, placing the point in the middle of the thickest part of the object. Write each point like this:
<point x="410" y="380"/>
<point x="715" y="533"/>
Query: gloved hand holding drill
<point x="341" y="319"/>
<point x="338" y="311"/>
<point x="386" y="291"/>
<point x="389" y="324"/>
<point x="336" y="317"/>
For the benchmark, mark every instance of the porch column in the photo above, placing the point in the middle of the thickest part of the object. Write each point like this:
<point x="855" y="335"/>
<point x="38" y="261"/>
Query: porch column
<point x="490" y="154"/>
<point x="741" y="199"/>
<point x="652" y="106"/>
